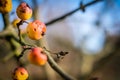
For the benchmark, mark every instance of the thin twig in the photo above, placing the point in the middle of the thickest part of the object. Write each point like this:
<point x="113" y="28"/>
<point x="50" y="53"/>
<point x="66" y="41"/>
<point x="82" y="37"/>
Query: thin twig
<point x="22" y="53"/>
<point x="81" y="7"/>
<point x="19" y="33"/>
<point x="93" y="2"/>
<point x="19" y="57"/>
<point x="58" y="69"/>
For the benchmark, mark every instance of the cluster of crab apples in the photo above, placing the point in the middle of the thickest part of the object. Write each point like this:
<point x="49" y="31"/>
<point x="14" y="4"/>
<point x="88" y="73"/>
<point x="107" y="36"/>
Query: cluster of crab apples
<point x="35" y="31"/>
<point x="37" y="57"/>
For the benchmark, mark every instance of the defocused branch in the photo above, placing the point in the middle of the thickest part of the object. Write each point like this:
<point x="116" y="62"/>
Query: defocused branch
<point x="108" y="62"/>
<point x="112" y="51"/>
<point x="81" y="7"/>
<point x="6" y="20"/>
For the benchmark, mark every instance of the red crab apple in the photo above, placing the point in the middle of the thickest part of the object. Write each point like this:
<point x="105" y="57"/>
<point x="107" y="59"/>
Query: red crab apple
<point x="37" y="56"/>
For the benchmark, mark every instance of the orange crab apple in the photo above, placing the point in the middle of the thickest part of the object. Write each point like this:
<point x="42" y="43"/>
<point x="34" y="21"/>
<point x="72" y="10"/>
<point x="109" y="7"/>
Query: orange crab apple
<point x="36" y="30"/>
<point x="20" y="73"/>
<point x="5" y="6"/>
<point x="37" y="56"/>
<point x="23" y="11"/>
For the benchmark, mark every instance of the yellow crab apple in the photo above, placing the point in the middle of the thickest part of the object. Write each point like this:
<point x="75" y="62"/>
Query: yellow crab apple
<point x="20" y="73"/>
<point x="15" y="21"/>
<point x="5" y="6"/>
<point x="36" y="30"/>
<point x="37" y="56"/>
<point x="23" y="11"/>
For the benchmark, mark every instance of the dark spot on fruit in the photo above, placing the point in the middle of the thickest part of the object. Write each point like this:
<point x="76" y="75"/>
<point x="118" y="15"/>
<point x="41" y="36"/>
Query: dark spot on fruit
<point x="3" y="3"/>
<point x="34" y="29"/>
<point x="43" y="34"/>
<point x="21" y="73"/>
<point x="42" y="52"/>
<point x="22" y="10"/>
<point x="34" y="56"/>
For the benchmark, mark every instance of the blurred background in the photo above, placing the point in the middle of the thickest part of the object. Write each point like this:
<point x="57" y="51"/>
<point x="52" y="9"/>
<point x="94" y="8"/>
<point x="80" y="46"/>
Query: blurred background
<point x="92" y="39"/>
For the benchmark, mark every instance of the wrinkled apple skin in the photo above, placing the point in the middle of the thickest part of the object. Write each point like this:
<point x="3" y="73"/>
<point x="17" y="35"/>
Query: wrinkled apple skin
<point x="5" y="6"/>
<point x="36" y="30"/>
<point x="23" y="11"/>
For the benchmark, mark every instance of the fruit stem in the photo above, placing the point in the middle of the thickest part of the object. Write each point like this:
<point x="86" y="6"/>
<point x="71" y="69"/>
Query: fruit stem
<point x="19" y="31"/>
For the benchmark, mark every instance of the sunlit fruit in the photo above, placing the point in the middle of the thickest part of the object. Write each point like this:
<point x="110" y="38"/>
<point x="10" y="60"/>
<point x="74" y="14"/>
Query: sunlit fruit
<point x="5" y="6"/>
<point x="20" y="73"/>
<point x="23" y="11"/>
<point x="37" y="56"/>
<point x="36" y="30"/>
